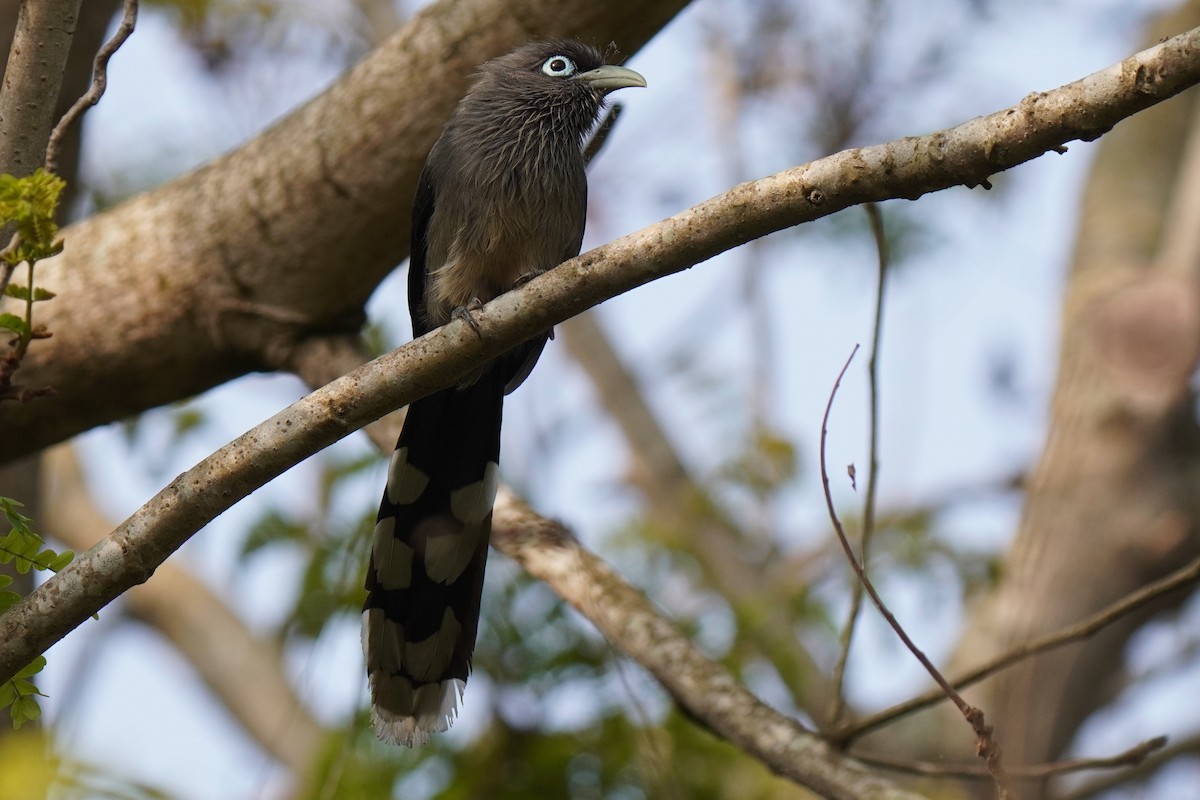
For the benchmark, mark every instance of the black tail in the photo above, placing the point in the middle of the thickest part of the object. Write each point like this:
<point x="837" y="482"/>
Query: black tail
<point x="428" y="556"/>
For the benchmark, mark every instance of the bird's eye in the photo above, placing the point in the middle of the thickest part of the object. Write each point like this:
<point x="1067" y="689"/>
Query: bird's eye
<point x="558" y="67"/>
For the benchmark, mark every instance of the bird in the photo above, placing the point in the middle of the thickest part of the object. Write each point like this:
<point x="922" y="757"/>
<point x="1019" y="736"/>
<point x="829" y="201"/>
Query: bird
<point x="502" y="198"/>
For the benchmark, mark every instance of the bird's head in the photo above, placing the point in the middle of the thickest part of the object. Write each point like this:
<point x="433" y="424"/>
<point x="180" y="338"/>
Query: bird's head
<point x="564" y="82"/>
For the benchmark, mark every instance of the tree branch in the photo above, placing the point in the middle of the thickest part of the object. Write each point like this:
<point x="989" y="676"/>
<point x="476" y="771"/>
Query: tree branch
<point x="906" y="168"/>
<point x="33" y="75"/>
<point x="1134" y="756"/>
<point x="245" y="673"/>
<point x="704" y="689"/>
<point x="548" y="552"/>
<point x="32" y="78"/>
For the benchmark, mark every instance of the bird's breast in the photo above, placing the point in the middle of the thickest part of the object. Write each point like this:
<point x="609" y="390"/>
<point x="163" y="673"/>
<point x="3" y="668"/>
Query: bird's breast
<point x="503" y="220"/>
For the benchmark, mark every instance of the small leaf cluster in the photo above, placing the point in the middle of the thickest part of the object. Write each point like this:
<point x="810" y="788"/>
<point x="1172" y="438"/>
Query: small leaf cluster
<point x="27" y="205"/>
<point x="30" y="204"/>
<point x="23" y="548"/>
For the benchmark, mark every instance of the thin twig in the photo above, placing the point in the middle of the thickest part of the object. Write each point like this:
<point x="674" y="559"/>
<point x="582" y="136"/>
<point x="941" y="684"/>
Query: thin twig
<point x="96" y="90"/>
<point x="1102" y="783"/>
<point x="985" y="743"/>
<point x="1131" y="757"/>
<point x="868" y="524"/>
<point x="1081" y="630"/>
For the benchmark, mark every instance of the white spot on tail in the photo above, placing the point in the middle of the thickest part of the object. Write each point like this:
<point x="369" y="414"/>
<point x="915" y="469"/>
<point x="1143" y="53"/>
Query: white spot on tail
<point x="391" y="558"/>
<point x="405" y="482"/>
<point x="471" y="504"/>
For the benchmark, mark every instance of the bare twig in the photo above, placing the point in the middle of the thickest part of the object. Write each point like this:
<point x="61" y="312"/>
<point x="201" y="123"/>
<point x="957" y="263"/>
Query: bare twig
<point x="1183" y="576"/>
<point x="985" y="742"/>
<point x="868" y="524"/>
<point x="1148" y="766"/>
<point x="1131" y="757"/>
<point x="99" y="84"/>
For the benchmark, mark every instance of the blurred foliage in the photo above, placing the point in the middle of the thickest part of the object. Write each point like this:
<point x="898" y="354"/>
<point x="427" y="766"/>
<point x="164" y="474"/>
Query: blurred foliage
<point x="23" y="548"/>
<point x="27" y="768"/>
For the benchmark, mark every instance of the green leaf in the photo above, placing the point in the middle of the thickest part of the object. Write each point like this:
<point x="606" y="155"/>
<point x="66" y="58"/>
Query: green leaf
<point x="26" y="709"/>
<point x="272" y="529"/>
<point x="32" y="668"/>
<point x="61" y="560"/>
<point x="30" y="203"/>
<point x="8" y="600"/>
<point x="15" y="518"/>
<point x="14" y="323"/>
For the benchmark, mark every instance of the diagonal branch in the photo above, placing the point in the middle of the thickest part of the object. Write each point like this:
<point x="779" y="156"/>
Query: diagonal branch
<point x="906" y="168"/>
<point x="702" y="687"/>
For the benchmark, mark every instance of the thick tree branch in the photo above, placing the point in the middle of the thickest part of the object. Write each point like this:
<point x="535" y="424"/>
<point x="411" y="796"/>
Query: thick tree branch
<point x="227" y="268"/>
<point x="906" y="168"/>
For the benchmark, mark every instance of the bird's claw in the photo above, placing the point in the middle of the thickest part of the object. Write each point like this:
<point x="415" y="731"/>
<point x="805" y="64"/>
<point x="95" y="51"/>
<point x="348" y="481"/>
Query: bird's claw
<point x="464" y="313"/>
<point x="526" y="278"/>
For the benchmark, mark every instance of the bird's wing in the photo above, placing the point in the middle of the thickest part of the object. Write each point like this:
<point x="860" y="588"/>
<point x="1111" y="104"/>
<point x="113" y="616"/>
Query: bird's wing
<point x="417" y="269"/>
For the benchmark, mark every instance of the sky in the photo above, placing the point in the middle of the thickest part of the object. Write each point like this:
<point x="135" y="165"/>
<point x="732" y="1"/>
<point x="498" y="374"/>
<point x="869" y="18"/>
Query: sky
<point x="984" y="293"/>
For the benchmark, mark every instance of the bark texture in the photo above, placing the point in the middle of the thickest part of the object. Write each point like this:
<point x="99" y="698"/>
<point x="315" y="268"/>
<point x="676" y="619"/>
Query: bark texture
<point x="37" y="61"/>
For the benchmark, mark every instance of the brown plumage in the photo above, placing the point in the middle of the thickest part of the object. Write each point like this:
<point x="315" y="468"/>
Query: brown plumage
<point x="503" y="197"/>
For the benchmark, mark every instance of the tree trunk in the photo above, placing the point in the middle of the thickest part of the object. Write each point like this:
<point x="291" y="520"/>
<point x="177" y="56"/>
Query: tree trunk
<point x="1111" y="501"/>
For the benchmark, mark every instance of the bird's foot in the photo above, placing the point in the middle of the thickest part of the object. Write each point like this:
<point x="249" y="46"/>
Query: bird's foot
<point x="465" y="314"/>
<point x="526" y="278"/>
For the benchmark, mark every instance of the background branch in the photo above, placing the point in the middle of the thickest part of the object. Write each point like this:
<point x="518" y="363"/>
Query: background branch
<point x="1183" y="577"/>
<point x="703" y="688"/>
